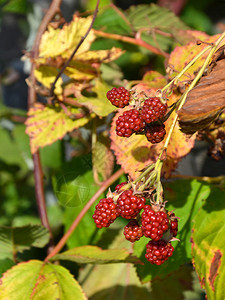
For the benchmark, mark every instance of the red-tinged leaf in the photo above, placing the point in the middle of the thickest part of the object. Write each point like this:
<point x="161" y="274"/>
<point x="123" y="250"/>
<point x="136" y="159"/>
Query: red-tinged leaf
<point x="135" y="153"/>
<point x="46" y="125"/>
<point x="204" y="102"/>
<point x="182" y="55"/>
<point x="96" y="255"/>
<point x="208" y="244"/>
<point x="36" y="280"/>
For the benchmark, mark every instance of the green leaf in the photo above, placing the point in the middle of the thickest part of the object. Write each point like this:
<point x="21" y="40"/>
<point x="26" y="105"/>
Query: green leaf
<point x="37" y="280"/>
<point x="46" y="125"/>
<point x="182" y="284"/>
<point x="102" y="157"/>
<point x="16" y="6"/>
<point x="110" y="20"/>
<point x="73" y="186"/>
<point x="100" y="105"/>
<point x="5" y="264"/>
<point x="18" y="239"/>
<point x="10" y="152"/>
<point x="96" y="255"/>
<point x="185" y="197"/>
<point x="155" y="17"/>
<point x="208" y="244"/>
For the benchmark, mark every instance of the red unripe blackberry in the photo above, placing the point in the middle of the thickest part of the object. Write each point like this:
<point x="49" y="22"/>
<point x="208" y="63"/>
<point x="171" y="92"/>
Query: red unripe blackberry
<point x="158" y="252"/>
<point x="105" y="213"/>
<point x="129" y="122"/>
<point x="128" y="205"/>
<point x="153" y="109"/>
<point x="118" y="187"/>
<point x="154" y="223"/>
<point x="155" y="133"/>
<point x="133" y="231"/>
<point x="119" y="97"/>
<point x="173" y="224"/>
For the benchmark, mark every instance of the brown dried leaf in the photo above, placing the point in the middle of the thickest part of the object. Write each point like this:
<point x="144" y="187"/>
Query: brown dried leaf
<point x="204" y="102"/>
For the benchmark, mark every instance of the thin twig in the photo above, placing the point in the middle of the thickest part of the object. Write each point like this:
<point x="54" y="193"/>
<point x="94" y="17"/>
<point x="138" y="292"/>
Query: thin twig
<point x="76" y="222"/>
<point x="131" y="40"/>
<point x="66" y="64"/>
<point x="38" y="173"/>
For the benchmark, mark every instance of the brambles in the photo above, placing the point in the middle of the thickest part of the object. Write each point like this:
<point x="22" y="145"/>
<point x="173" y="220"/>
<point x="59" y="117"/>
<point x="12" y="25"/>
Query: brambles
<point x="154" y="223"/>
<point x="105" y="213"/>
<point x="119" y="97"/>
<point x="155" y="133"/>
<point x="128" y="205"/>
<point x="142" y="119"/>
<point x="158" y="251"/>
<point x="129" y="122"/>
<point x="132" y="231"/>
<point x="152" y="110"/>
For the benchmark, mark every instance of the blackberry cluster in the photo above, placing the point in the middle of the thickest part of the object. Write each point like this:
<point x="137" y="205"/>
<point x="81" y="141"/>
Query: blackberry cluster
<point x="105" y="213"/>
<point x="154" y="224"/>
<point x="155" y="133"/>
<point x="146" y="119"/>
<point x="119" y="97"/>
<point x="128" y="123"/>
<point x="158" y="252"/>
<point x="132" y="231"/>
<point x="128" y="205"/>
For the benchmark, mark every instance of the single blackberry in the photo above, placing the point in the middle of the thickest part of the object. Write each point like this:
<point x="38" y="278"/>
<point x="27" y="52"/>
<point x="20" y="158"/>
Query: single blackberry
<point x="118" y="187"/>
<point x="128" y="205"/>
<point x="154" y="223"/>
<point x="173" y="224"/>
<point x="132" y="231"/>
<point x="155" y="133"/>
<point x="129" y="122"/>
<point x="119" y="97"/>
<point x="158" y="252"/>
<point x="105" y="213"/>
<point x="152" y="110"/>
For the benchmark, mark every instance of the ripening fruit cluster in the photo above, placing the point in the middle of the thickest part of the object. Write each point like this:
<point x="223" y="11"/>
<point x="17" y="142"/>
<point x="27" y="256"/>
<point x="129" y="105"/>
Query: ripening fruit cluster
<point x="147" y="119"/>
<point x="152" y="221"/>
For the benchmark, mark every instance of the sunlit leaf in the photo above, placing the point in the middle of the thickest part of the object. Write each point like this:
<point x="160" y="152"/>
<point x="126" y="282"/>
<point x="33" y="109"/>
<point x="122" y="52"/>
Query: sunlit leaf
<point x="99" y="104"/>
<point x="63" y="41"/>
<point x="45" y="125"/>
<point x="208" y="245"/>
<point x="96" y="255"/>
<point x="37" y="280"/>
<point x="46" y="75"/>
<point x="182" y="55"/>
<point x="18" y="239"/>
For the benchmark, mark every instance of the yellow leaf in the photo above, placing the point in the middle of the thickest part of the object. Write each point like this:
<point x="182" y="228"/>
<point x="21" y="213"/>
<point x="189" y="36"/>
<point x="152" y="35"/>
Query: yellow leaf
<point x="63" y="41"/>
<point x="46" y="125"/>
<point x="46" y="75"/>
